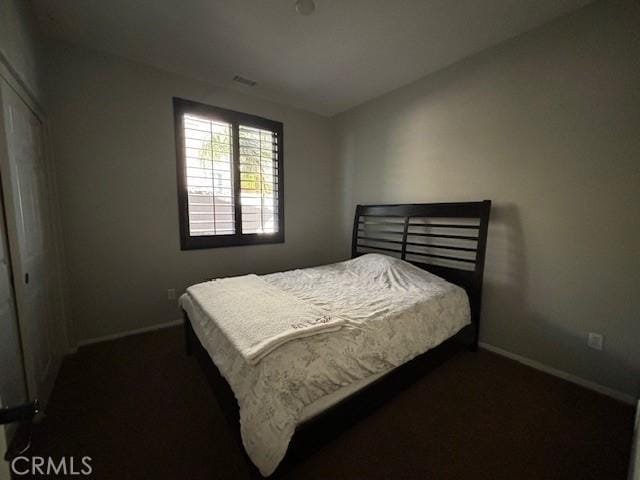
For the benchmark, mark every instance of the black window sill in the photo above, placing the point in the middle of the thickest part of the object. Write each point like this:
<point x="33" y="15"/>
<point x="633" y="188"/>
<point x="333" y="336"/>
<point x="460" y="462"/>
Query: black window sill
<point x="219" y="241"/>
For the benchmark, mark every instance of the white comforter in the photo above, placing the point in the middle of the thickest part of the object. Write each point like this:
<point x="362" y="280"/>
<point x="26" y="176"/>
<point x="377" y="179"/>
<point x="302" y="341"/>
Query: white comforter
<point x="257" y="317"/>
<point x="394" y="312"/>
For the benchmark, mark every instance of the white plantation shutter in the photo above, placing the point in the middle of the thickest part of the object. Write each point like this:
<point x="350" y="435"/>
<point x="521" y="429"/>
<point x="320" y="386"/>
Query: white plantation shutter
<point x="258" y="180"/>
<point x="229" y="177"/>
<point x="208" y="151"/>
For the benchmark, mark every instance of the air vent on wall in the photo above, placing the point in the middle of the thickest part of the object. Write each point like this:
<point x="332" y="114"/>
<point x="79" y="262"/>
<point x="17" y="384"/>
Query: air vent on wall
<point x="244" y="81"/>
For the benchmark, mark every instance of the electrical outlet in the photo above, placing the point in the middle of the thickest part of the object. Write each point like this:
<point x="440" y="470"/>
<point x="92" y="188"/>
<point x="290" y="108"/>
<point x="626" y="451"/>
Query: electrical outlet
<point x="595" y="341"/>
<point x="171" y="294"/>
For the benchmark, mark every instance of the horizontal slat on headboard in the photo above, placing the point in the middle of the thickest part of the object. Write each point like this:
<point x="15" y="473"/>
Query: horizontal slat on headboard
<point x="435" y="210"/>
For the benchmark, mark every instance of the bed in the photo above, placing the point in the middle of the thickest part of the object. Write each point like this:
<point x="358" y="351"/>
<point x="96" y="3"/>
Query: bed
<point x="408" y="298"/>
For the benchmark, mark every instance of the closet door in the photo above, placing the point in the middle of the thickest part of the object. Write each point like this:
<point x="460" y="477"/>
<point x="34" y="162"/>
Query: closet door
<point x="12" y="387"/>
<point x="23" y="184"/>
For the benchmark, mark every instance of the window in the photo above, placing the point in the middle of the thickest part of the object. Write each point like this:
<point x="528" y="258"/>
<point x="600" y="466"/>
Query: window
<point x="230" y="178"/>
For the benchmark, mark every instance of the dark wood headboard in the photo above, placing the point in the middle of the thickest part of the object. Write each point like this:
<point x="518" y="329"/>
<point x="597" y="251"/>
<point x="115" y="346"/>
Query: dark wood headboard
<point x="446" y="239"/>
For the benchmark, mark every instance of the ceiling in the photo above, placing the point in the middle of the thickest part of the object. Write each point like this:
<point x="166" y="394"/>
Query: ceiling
<point x="347" y="52"/>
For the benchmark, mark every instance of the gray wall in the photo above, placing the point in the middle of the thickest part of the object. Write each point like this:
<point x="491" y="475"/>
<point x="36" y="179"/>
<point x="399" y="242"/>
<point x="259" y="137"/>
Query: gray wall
<point x="112" y="123"/>
<point x="547" y="126"/>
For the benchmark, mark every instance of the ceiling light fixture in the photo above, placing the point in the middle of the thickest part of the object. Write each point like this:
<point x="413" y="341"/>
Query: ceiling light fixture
<point x="305" y="7"/>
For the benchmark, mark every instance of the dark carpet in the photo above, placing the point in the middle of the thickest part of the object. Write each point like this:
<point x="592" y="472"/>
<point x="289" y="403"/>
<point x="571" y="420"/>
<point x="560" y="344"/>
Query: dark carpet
<point x="142" y="409"/>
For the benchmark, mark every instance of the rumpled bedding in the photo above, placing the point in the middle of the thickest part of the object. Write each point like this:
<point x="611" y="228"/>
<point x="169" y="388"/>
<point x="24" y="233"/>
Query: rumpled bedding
<point x="393" y="312"/>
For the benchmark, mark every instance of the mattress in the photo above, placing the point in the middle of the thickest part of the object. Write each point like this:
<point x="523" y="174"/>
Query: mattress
<point x="394" y="311"/>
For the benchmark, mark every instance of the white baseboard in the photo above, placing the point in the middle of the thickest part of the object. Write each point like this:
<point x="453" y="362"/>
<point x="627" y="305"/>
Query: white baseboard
<point x="136" y="331"/>
<point x="623" y="397"/>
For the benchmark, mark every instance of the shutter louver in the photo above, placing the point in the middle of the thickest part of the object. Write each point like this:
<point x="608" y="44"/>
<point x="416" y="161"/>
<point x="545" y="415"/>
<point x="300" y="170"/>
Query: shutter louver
<point x="259" y="192"/>
<point x="209" y="176"/>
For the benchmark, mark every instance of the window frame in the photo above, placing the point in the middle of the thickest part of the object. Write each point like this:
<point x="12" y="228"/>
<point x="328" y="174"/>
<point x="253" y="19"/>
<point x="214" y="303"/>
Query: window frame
<point x="189" y="242"/>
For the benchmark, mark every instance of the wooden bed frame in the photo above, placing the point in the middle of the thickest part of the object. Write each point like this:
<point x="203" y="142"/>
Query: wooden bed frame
<point x="447" y="239"/>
